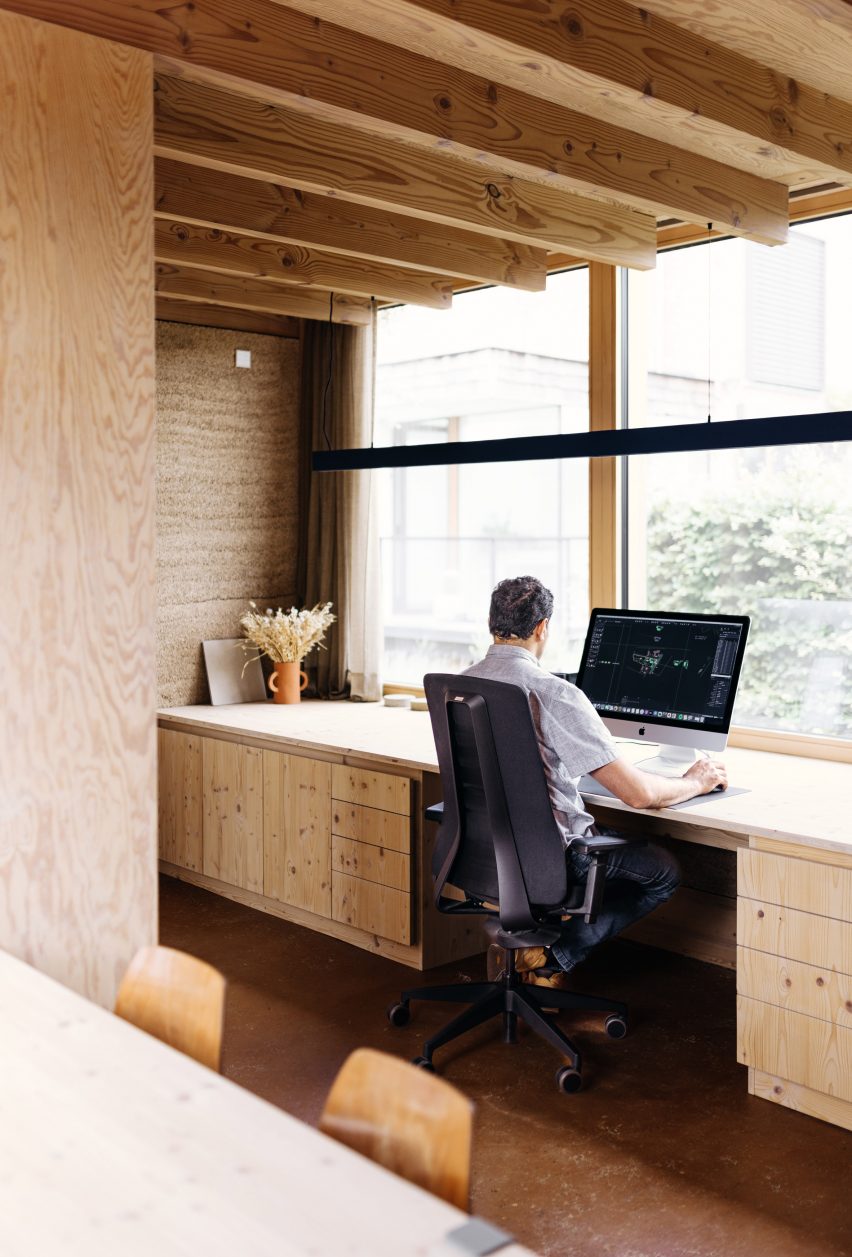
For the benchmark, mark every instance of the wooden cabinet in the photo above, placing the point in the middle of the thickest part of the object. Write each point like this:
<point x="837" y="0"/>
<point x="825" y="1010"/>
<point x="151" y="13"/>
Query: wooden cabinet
<point x="233" y="813"/>
<point x="180" y="798"/>
<point x="324" y="838"/>
<point x="300" y="832"/>
<point x="297" y="831"/>
<point x="794" y="980"/>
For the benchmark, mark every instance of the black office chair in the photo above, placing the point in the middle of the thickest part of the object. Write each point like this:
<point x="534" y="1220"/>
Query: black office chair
<point x="499" y="844"/>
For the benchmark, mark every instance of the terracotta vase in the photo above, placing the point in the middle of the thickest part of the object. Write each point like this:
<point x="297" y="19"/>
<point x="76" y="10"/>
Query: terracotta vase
<point x="287" y="682"/>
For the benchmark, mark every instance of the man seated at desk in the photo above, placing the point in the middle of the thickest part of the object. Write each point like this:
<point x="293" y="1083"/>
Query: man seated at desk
<point x="573" y="741"/>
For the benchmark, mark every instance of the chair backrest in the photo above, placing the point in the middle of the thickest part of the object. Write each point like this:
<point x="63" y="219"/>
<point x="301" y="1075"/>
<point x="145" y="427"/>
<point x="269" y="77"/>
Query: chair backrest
<point x="498" y="840"/>
<point x="176" y="998"/>
<point x="407" y="1120"/>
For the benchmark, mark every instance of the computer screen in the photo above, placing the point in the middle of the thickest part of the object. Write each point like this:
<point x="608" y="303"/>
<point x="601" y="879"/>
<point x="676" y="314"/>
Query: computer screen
<point x="664" y="668"/>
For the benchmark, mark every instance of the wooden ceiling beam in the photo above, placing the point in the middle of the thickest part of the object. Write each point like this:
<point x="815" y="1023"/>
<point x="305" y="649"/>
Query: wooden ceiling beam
<point x="285" y="216"/>
<point x="626" y="65"/>
<point x="215" y="249"/>
<point x="826" y="203"/>
<point x="282" y="54"/>
<point x="808" y="39"/>
<point x="231" y="319"/>
<point x="209" y="288"/>
<point x="203" y="125"/>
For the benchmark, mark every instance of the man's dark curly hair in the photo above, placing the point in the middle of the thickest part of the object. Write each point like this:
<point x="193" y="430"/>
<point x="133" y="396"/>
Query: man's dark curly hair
<point x="517" y="606"/>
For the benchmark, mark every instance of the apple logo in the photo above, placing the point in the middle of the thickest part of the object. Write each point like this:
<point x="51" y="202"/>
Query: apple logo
<point x="642" y="732"/>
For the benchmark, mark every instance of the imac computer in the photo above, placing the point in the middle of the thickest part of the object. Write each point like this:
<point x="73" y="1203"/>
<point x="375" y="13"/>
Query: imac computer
<point x="665" y="677"/>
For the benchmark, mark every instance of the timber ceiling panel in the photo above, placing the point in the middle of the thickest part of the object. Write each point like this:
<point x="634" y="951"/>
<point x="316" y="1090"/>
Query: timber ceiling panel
<point x="399" y="150"/>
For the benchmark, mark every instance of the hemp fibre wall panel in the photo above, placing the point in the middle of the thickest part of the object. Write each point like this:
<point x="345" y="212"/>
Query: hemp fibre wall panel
<point x="227" y="491"/>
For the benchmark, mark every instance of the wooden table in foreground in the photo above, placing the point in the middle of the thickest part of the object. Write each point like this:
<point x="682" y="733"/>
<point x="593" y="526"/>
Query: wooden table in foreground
<point x="114" y="1145"/>
<point x="314" y="812"/>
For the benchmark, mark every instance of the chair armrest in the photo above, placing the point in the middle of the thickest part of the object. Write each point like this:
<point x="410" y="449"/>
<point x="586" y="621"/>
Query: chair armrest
<point x="594" y="844"/>
<point x="435" y="812"/>
<point x="599" y="847"/>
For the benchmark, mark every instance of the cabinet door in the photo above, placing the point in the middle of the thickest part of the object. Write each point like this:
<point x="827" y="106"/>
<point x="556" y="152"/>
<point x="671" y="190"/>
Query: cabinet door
<point x="180" y="809"/>
<point x="297" y="831"/>
<point x="233" y="813"/>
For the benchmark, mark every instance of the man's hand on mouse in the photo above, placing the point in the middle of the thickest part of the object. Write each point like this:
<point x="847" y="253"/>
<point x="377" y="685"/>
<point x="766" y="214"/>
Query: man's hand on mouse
<point x="709" y="774"/>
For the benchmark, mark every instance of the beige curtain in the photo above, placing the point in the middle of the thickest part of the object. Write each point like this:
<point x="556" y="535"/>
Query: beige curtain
<point x="339" y="547"/>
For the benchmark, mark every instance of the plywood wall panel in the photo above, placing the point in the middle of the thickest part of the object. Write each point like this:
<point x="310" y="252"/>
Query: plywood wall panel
<point x="227" y="491"/>
<point x="78" y="738"/>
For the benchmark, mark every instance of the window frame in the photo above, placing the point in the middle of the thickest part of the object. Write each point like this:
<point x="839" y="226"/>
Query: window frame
<point x="833" y="204"/>
<point x="609" y="482"/>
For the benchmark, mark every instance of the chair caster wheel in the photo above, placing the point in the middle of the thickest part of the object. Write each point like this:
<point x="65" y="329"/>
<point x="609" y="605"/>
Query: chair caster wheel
<point x="568" y="1079"/>
<point x="616" y="1026"/>
<point x="424" y="1062"/>
<point x="399" y="1014"/>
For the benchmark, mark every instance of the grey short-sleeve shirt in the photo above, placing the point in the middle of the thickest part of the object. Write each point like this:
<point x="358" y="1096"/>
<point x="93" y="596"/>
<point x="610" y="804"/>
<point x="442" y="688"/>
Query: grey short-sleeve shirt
<point x="571" y="735"/>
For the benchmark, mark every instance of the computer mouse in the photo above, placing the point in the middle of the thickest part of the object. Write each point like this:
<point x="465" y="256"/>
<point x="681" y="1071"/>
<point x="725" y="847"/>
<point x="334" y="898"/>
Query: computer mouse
<point x="716" y="789"/>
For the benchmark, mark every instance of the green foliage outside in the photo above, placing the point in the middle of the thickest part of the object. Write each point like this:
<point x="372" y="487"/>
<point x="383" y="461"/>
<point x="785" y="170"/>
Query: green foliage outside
<point x="777" y="547"/>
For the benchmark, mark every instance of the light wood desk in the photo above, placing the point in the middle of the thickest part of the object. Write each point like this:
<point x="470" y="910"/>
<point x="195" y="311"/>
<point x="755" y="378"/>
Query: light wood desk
<point x="114" y="1145"/>
<point x="314" y="812"/>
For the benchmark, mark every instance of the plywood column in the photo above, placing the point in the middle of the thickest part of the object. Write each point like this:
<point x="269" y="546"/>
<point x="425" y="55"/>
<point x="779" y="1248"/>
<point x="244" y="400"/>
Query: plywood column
<point x="77" y="737"/>
<point x="603" y="584"/>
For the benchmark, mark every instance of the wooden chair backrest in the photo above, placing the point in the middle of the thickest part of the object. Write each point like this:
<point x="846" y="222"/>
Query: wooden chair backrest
<point x="407" y="1120"/>
<point x="176" y="998"/>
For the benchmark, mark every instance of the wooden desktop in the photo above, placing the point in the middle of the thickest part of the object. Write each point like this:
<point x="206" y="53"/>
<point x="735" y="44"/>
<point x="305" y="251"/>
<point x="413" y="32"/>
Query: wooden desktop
<point x="314" y="812"/>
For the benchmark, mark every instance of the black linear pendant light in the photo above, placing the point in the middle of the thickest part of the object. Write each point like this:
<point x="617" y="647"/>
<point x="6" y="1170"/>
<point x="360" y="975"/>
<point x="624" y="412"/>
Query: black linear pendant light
<point x="613" y="443"/>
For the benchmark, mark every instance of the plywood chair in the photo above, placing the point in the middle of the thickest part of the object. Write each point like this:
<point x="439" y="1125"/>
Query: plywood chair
<point x="176" y="998"/>
<point x="407" y="1120"/>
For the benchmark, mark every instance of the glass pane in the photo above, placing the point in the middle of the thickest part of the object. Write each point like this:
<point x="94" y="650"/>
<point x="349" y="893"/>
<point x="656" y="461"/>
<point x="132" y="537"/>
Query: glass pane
<point x="758" y="532"/>
<point x="501" y="363"/>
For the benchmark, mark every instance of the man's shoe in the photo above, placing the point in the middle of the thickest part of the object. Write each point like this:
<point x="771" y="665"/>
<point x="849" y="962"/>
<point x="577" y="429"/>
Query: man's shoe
<point x="527" y="959"/>
<point x="556" y="979"/>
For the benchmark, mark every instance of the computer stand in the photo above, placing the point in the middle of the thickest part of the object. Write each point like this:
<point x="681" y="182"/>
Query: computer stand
<point x="672" y="761"/>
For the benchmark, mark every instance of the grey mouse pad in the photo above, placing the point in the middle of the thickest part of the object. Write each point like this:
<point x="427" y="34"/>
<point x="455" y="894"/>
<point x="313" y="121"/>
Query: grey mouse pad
<point x="588" y="785"/>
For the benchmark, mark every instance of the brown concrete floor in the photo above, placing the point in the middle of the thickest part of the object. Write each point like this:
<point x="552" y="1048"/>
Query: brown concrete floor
<point x="664" y="1154"/>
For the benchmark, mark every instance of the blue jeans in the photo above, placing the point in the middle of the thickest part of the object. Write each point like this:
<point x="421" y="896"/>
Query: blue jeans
<point x="639" y="877"/>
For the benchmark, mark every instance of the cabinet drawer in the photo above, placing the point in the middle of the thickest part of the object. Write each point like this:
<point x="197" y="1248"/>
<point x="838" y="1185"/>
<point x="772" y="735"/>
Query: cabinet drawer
<point x="791" y="1045"/>
<point x="390" y="830"/>
<point x="799" y="987"/>
<point x="379" y="790"/>
<point x="795" y="935"/>
<point x="819" y="888"/>
<point x="368" y="906"/>
<point x="374" y="864"/>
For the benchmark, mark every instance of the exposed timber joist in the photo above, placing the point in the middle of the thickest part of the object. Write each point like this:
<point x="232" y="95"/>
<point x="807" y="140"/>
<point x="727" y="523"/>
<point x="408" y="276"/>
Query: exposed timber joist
<point x="810" y="39"/>
<point x="213" y="249"/>
<point x="203" y="315"/>
<point x="285" y="216"/>
<point x="207" y="287"/>
<point x="204" y="125"/>
<point x="626" y="65"/>
<point x="281" y="54"/>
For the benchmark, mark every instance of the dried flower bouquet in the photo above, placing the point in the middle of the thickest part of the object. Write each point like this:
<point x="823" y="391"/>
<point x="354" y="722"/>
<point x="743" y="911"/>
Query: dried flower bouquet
<point x="287" y="636"/>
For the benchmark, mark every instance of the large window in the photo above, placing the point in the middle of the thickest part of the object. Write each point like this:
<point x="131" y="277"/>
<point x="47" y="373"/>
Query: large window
<point x="501" y="363"/>
<point x="763" y="532"/>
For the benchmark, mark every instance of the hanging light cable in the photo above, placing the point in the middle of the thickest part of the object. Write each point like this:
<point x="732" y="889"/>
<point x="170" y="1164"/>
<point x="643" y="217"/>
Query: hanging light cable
<point x="709" y="318"/>
<point x="325" y="391"/>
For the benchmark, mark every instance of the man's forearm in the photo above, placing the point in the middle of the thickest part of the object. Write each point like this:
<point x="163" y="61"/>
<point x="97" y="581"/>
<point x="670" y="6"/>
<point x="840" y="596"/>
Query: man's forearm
<point x="666" y="791"/>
